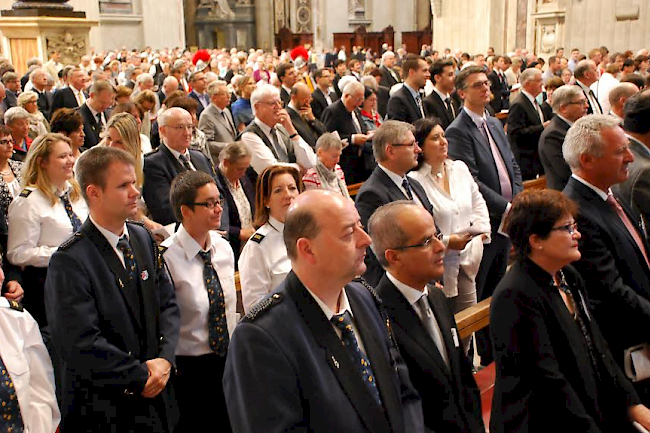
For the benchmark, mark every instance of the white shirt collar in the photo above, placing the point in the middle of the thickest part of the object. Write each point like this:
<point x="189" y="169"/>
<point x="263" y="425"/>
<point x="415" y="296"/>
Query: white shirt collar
<point x="288" y="90"/>
<point x="266" y="129"/>
<point x="277" y="225"/>
<point x="443" y="96"/>
<point x="412" y="295"/>
<point x="293" y="107"/>
<point x="393" y="176"/>
<point x="66" y="189"/>
<point x="344" y="304"/>
<point x="602" y="194"/>
<point x="479" y="120"/>
<point x="565" y="119"/>
<point x="189" y="245"/>
<point x="530" y="97"/>
<point x="176" y="153"/>
<point x="111" y="237"/>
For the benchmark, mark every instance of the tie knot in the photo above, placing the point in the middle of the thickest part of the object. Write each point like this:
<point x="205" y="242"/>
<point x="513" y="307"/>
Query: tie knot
<point x="206" y="256"/>
<point x="123" y="244"/>
<point x="343" y="321"/>
<point x="612" y="200"/>
<point x="405" y="184"/>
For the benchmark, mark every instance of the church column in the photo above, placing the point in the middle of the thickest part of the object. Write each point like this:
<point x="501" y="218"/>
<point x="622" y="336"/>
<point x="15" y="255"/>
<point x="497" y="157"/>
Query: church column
<point x="264" y="19"/>
<point x="422" y="14"/>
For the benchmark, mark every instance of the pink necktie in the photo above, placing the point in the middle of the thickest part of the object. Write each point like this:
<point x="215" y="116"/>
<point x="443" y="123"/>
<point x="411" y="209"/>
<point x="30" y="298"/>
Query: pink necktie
<point x="502" y="170"/>
<point x="628" y="225"/>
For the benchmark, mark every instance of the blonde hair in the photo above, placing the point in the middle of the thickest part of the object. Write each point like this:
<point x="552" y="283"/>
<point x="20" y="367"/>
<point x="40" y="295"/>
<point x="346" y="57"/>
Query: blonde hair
<point x="33" y="172"/>
<point x="126" y="125"/>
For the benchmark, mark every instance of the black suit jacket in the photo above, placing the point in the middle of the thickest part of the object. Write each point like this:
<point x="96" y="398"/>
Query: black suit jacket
<point x="468" y="144"/>
<point x="451" y="401"/>
<point x="10" y="100"/>
<point x="379" y="190"/>
<point x="64" y="98"/>
<point x="200" y="108"/>
<point x="387" y="79"/>
<point x="160" y="168"/>
<point x="308" y="130"/>
<point x="234" y="227"/>
<point x="434" y="106"/>
<point x="319" y="103"/>
<point x="104" y="328"/>
<point x="44" y="103"/>
<point x="616" y="274"/>
<point x="547" y="381"/>
<point x="524" y="130"/>
<point x="402" y="106"/>
<point x="550" y="154"/>
<point x="337" y="118"/>
<point x="285" y="97"/>
<point x="92" y="127"/>
<point x="500" y="91"/>
<point x="383" y="95"/>
<point x="586" y="90"/>
<point x="287" y="364"/>
<point x="335" y="84"/>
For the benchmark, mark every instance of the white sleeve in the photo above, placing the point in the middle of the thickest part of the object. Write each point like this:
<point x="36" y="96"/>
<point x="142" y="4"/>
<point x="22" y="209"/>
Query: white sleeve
<point x="262" y="156"/>
<point x="24" y="232"/>
<point x="254" y="274"/>
<point x="305" y="156"/>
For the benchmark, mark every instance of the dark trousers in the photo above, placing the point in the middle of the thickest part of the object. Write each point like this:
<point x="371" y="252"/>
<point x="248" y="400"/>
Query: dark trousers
<point x="199" y="393"/>
<point x="34" y="302"/>
<point x="492" y="269"/>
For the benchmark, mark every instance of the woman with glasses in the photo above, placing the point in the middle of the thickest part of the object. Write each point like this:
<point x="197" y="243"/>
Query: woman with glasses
<point x="264" y="263"/>
<point x="459" y="210"/>
<point x="554" y="370"/>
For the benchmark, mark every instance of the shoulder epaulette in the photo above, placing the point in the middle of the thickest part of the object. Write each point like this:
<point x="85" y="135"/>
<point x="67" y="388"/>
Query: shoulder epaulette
<point x="263" y="306"/>
<point x="70" y="241"/>
<point x="14" y="305"/>
<point x="162" y="249"/>
<point x="26" y="192"/>
<point x="257" y="237"/>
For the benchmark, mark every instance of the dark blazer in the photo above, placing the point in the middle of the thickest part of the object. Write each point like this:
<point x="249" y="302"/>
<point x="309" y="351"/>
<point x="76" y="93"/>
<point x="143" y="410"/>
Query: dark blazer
<point x="468" y="144"/>
<point x="200" y="108"/>
<point x="160" y="168"/>
<point x="500" y="91"/>
<point x="161" y="96"/>
<point x="387" y="79"/>
<point x="104" y="328"/>
<point x="434" y="106"/>
<point x="10" y="100"/>
<point x="616" y="274"/>
<point x="379" y="190"/>
<point x="547" y="110"/>
<point x="548" y="382"/>
<point x="44" y="103"/>
<point x="383" y="95"/>
<point x="635" y="191"/>
<point x="586" y="90"/>
<point x="550" y="154"/>
<point x="524" y="130"/>
<point x="287" y="364"/>
<point x="285" y="97"/>
<point x="402" y="106"/>
<point x="234" y="226"/>
<point x="308" y="130"/>
<point x="335" y="84"/>
<point x="92" y="128"/>
<point x="337" y="118"/>
<point x="451" y="401"/>
<point x="64" y="98"/>
<point x="319" y="103"/>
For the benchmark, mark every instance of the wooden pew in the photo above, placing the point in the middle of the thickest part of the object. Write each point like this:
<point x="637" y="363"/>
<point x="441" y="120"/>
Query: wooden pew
<point x="539" y="183"/>
<point x="353" y="189"/>
<point x="473" y="318"/>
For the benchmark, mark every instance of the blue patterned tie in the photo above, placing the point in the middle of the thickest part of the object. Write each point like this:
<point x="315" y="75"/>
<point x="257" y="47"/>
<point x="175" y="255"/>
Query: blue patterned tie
<point x="10" y="418"/>
<point x="217" y="325"/>
<point x="344" y="323"/>
<point x="129" y="260"/>
<point x="407" y="187"/>
<point x="74" y="219"/>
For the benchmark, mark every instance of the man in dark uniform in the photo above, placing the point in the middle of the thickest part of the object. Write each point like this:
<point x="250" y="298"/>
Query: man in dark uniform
<point x="113" y="314"/>
<point x="315" y="355"/>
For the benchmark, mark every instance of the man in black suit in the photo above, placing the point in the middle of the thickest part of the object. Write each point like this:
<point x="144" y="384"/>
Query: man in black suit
<point x="322" y="97"/>
<point x="168" y="160"/>
<point x="115" y="321"/>
<point x="500" y="88"/>
<point x="586" y="74"/>
<point x="479" y="141"/>
<point x="38" y="78"/>
<point x="343" y="116"/>
<point x="396" y="152"/>
<point x="95" y="112"/>
<point x="439" y="103"/>
<point x="12" y="88"/>
<point x="299" y="109"/>
<point x="72" y="96"/>
<point x="340" y="69"/>
<point x="296" y="359"/>
<point x="288" y="77"/>
<point x="388" y="75"/>
<point x="569" y="104"/>
<point x="406" y="104"/>
<point x="405" y="241"/>
<point x="526" y="123"/>
<point x="613" y="244"/>
<point x="198" y="93"/>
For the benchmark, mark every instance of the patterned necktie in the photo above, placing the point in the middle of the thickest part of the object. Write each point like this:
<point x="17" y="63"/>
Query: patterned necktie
<point x="74" y="219"/>
<point x="344" y="323"/>
<point x="407" y="187"/>
<point x="611" y="200"/>
<point x="11" y="419"/>
<point x="129" y="259"/>
<point x="418" y="101"/>
<point x="185" y="162"/>
<point x="283" y="156"/>
<point x="433" y="329"/>
<point x="217" y="325"/>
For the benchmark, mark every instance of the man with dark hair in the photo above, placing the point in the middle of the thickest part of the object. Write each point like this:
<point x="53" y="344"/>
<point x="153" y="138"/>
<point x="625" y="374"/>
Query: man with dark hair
<point x="354" y="66"/>
<point x="12" y="87"/>
<point x="198" y="93"/>
<point x="288" y="77"/>
<point x="439" y="103"/>
<point x="406" y="104"/>
<point x="315" y="355"/>
<point x="95" y="112"/>
<point x="113" y="314"/>
<point x="553" y="68"/>
<point x="322" y="97"/>
<point x="202" y="267"/>
<point x="340" y="69"/>
<point x="499" y="84"/>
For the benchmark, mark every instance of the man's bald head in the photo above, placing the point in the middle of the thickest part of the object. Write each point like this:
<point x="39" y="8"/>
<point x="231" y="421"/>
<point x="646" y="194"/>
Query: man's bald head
<point x="619" y="94"/>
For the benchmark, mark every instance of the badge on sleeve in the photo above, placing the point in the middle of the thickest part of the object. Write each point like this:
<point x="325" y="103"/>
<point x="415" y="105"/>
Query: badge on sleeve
<point x="144" y="276"/>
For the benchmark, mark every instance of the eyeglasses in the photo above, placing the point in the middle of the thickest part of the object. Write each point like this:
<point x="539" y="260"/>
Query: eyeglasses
<point x="272" y="103"/>
<point x="411" y="144"/>
<point x="570" y="228"/>
<point x="580" y="102"/>
<point x="7" y="141"/>
<point x="425" y="244"/>
<point x="182" y="127"/>
<point x="480" y="84"/>
<point x="210" y="204"/>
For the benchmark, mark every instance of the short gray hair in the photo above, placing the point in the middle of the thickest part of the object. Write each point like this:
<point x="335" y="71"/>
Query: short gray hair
<point x="15" y="113"/>
<point x="213" y="87"/>
<point x="36" y="72"/>
<point x="262" y="92"/>
<point x="26" y="97"/>
<point x="384" y="229"/>
<point x="583" y="138"/>
<point x="390" y="132"/>
<point x="564" y="95"/>
<point x="163" y="118"/>
<point x="351" y="86"/>
<point x="370" y="81"/>
<point x="143" y="78"/>
<point x="386" y="55"/>
<point x="528" y="74"/>
<point x="327" y="141"/>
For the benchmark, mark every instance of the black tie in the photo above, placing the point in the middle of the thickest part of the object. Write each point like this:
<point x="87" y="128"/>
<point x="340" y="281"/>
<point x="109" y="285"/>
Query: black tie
<point x="11" y="419"/>
<point x="230" y="125"/>
<point x="74" y="219"/>
<point x="185" y="162"/>
<point x="129" y="259"/>
<point x="407" y="187"/>
<point x="99" y="119"/>
<point x="217" y="324"/>
<point x="450" y="109"/>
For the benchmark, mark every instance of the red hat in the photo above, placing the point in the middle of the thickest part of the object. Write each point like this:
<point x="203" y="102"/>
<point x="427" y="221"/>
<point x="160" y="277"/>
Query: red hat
<point x="201" y="60"/>
<point x="299" y="52"/>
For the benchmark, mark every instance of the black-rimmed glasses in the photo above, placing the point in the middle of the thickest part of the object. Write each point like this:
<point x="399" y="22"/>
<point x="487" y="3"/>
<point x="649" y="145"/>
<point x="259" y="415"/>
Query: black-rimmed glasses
<point x="425" y="244"/>
<point x="210" y="204"/>
<point x="570" y="228"/>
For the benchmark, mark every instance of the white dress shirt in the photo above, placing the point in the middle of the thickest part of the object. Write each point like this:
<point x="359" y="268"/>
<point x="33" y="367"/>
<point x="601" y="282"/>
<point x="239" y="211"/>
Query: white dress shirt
<point x="37" y="228"/>
<point x="536" y="106"/>
<point x="263" y="265"/>
<point x="177" y="155"/>
<point x="112" y="238"/>
<point x="462" y="210"/>
<point x="30" y="368"/>
<point x="602" y="88"/>
<point x="186" y="268"/>
<point x="262" y="156"/>
<point x="398" y="180"/>
<point x="79" y="96"/>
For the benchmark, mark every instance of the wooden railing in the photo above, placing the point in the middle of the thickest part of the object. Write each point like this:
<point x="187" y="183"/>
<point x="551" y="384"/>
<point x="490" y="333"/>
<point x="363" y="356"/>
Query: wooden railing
<point x="473" y="318"/>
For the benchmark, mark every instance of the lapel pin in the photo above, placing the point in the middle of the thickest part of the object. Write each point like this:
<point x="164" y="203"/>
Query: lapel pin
<point x="144" y="276"/>
<point x="119" y="281"/>
<point x="454" y="334"/>
<point x="336" y="363"/>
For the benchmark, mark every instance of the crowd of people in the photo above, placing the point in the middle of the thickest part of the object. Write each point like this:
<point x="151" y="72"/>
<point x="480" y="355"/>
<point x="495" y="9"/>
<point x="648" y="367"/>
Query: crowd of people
<point x="136" y="186"/>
